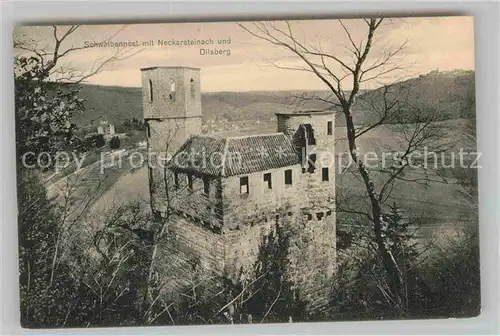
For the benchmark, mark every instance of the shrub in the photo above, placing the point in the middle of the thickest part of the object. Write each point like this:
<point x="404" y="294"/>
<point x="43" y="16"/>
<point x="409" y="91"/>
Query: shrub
<point x="453" y="278"/>
<point x="94" y="140"/>
<point x="99" y="141"/>
<point x="114" y="143"/>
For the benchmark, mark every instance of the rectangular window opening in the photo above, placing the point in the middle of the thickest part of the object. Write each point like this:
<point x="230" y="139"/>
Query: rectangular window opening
<point x="312" y="163"/>
<point x="190" y="181"/>
<point x="329" y="128"/>
<point x="150" y="86"/>
<point x="268" y="180"/>
<point x="244" y="185"/>
<point x="288" y="177"/>
<point x="176" y="180"/>
<point x="206" y="185"/>
<point x="324" y="175"/>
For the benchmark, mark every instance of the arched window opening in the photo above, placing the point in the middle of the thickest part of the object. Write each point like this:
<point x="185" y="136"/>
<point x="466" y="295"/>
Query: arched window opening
<point x="172" y="90"/>
<point x="306" y="135"/>
<point x="193" y="88"/>
<point x="150" y="87"/>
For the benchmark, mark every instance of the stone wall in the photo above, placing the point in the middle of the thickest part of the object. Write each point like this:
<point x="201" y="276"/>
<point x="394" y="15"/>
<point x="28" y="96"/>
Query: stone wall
<point x="203" y="208"/>
<point x="260" y="202"/>
<point x="188" y="253"/>
<point x="170" y="134"/>
<point x="313" y="256"/>
<point x="249" y="217"/>
<point x="165" y="137"/>
<point x="319" y="192"/>
<point x="185" y="101"/>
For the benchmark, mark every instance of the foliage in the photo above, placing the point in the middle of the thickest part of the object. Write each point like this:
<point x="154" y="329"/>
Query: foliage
<point x="102" y="279"/>
<point x="400" y="238"/>
<point x="453" y="278"/>
<point x="131" y="124"/>
<point x="45" y="300"/>
<point x="272" y="297"/>
<point x="361" y="289"/>
<point x="63" y="283"/>
<point x="441" y="283"/>
<point x="43" y="111"/>
<point x="114" y="143"/>
<point x="99" y="141"/>
<point x="450" y="93"/>
<point x="94" y="140"/>
<point x="111" y="269"/>
<point x="198" y="303"/>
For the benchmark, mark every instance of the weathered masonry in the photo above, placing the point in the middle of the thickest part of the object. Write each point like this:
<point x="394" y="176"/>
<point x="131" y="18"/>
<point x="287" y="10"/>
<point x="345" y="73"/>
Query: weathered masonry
<point x="222" y="194"/>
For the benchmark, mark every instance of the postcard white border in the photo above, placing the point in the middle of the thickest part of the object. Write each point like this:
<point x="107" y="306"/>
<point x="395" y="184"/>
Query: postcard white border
<point x="487" y="39"/>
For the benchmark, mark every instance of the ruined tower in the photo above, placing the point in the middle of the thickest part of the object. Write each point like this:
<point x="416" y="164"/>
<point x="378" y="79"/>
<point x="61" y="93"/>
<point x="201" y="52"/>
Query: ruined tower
<point x="313" y="232"/>
<point x="172" y="112"/>
<point x="312" y="135"/>
<point x="226" y="192"/>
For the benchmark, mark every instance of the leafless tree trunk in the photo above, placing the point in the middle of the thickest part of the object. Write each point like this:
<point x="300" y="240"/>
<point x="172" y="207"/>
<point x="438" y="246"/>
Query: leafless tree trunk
<point x="356" y="68"/>
<point x="151" y="299"/>
<point x="50" y="56"/>
<point x="51" y="67"/>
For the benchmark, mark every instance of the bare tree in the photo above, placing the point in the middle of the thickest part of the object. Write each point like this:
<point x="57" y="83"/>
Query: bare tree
<point x="356" y="67"/>
<point x="46" y="101"/>
<point x="51" y="54"/>
<point x="46" y="97"/>
<point x="159" y="162"/>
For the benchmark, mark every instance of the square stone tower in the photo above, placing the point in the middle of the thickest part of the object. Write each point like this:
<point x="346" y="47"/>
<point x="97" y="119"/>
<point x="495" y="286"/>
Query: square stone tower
<point x="313" y="247"/>
<point x="172" y="111"/>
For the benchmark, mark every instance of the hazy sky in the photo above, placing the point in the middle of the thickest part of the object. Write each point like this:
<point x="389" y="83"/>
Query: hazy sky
<point x="443" y="43"/>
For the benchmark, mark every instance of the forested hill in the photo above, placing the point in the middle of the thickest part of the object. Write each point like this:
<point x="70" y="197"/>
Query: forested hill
<point x="451" y="93"/>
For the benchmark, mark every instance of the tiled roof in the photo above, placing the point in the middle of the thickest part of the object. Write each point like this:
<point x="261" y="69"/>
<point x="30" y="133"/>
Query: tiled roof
<point x="229" y="156"/>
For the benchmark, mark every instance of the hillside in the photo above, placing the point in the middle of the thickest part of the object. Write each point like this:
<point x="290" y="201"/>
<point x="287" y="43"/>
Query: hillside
<point x="451" y="93"/>
<point x="116" y="104"/>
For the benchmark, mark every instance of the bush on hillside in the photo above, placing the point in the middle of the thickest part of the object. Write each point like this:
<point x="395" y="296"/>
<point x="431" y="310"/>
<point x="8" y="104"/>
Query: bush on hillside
<point x="94" y="140"/>
<point x="114" y="143"/>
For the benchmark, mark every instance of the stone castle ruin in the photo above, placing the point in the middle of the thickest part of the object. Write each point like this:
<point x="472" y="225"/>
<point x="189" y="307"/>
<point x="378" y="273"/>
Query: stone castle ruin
<point x="222" y="194"/>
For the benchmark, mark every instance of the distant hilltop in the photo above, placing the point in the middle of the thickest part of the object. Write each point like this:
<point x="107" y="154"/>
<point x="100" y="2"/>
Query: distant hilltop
<point x="448" y="91"/>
